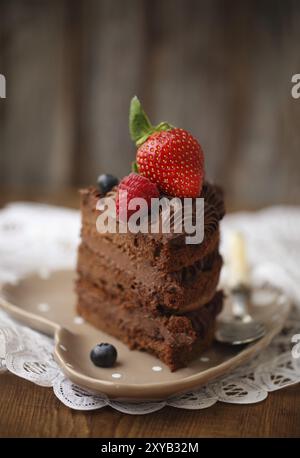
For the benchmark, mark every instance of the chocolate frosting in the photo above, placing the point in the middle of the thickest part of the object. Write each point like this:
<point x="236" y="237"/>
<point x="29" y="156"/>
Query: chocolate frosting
<point x="214" y="209"/>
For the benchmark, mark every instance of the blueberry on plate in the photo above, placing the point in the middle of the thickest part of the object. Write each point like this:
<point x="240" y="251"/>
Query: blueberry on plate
<point x="104" y="355"/>
<point x="106" y="182"/>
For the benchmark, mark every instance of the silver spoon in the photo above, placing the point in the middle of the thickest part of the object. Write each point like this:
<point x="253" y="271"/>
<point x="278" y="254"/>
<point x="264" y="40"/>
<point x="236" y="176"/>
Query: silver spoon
<point x="241" y="327"/>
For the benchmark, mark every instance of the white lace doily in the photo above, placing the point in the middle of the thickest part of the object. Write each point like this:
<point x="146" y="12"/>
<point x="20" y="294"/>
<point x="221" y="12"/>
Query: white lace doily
<point x="42" y="238"/>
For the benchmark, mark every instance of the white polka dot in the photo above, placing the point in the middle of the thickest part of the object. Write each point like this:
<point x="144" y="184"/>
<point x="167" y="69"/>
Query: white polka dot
<point x="43" y="307"/>
<point x="62" y="347"/>
<point x="78" y="320"/>
<point x="157" y="368"/>
<point x="116" y="375"/>
<point x="204" y="359"/>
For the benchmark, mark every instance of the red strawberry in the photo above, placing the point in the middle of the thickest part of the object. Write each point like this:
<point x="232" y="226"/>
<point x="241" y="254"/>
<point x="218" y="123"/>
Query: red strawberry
<point x="136" y="186"/>
<point x="174" y="161"/>
<point x="170" y="157"/>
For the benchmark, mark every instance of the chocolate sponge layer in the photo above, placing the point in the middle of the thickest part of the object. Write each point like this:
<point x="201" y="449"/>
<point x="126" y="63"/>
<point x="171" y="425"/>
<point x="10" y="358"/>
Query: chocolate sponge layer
<point x="164" y="252"/>
<point x="174" y="339"/>
<point x="134" y="282"/>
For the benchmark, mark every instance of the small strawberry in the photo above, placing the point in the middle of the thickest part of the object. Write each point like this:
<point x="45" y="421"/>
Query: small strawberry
<point x="170" y="157"/>
<point x="132" y="186"/>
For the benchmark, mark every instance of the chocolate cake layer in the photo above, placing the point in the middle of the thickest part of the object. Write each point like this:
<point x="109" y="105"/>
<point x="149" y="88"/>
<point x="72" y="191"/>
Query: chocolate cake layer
<point x="165" y="252"/>
<point x="152" y="291"/>
<point x="173" y="339"/>
<point x="136" y="283"/>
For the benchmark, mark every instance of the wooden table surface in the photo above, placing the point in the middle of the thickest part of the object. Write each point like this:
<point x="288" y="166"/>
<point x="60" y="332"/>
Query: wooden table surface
<point x="27" y="410"/>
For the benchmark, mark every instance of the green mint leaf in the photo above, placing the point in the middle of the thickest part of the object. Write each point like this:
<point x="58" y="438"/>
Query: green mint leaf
<point x="139" y="123"/>
<point x="140" y="127"/>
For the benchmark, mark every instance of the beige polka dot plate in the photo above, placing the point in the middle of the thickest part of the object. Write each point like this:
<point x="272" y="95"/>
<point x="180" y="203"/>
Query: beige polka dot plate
<point x="48" y="305"/>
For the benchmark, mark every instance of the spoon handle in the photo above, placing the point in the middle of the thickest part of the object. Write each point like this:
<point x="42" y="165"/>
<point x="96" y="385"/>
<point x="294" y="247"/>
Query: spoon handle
<point x="239" y="276"/>
<point x="240" y="301"/>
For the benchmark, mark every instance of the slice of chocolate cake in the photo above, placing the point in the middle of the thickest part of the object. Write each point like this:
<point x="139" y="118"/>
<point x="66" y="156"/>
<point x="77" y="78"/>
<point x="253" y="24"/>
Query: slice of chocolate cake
<point x="154" y="291"/>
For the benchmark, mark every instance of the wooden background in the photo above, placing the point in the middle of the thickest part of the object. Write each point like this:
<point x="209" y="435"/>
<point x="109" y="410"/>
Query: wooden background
<point x="221" y="69"/>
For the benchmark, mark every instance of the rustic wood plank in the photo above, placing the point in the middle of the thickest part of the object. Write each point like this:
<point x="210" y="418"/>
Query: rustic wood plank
<point x="222" y="71"/>
<point x="264" y="58"/>
<point x="27" y="410"/>
<point x="112" y="49"/>
<point x="37" y="115"/>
